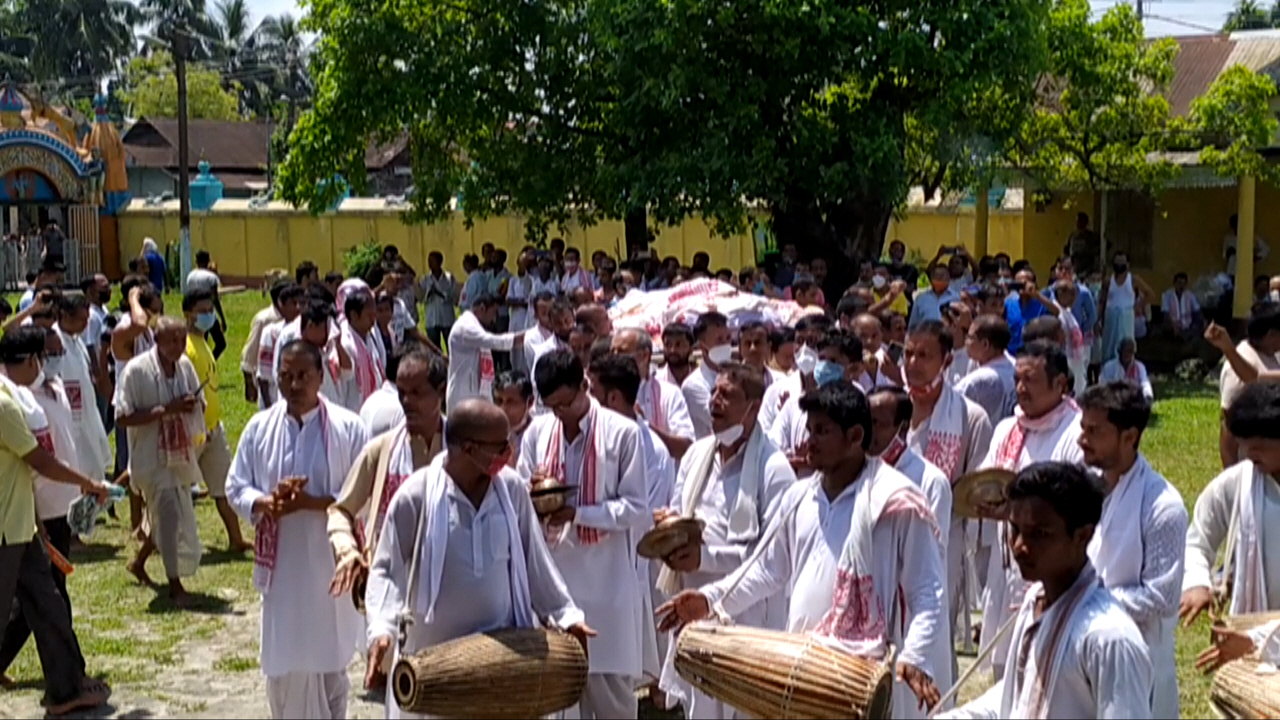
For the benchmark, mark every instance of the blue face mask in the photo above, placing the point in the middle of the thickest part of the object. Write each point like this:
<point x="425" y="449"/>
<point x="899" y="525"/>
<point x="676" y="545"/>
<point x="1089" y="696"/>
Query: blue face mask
<point x="827" y="373"/>
<point x="206" y="321"/>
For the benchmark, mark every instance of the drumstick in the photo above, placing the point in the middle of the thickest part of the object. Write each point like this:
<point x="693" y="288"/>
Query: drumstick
<point x="1006" y="627"/>
<point x="58" y="559"/>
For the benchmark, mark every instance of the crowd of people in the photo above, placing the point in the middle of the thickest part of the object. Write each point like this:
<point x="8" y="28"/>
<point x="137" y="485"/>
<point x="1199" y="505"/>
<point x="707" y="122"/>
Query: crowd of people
<point x="403" y="419"/>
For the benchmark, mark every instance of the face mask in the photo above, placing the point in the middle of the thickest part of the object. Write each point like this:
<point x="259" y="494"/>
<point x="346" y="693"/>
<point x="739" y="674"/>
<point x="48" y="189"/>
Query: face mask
<point x="828" y="373"/>
<point x="930" y="387"/>
<point x="498" y="462"/>
<point x="1120" y="267"/>
<point x="730" y="435"/>
<point x="806" y="359"/>
<point x="894" y="450"/>
<point x="53" y="365"/>
<point x="205" y="321"/>
<point x="878" y="282"/>
<point x="570" y="267"/>
<point x="802" y="276"/>
<point x="720" y="354"/>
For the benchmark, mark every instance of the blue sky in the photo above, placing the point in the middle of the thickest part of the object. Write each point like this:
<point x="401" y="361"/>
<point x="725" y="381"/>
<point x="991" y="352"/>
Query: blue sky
<point x="1207" y="14"/>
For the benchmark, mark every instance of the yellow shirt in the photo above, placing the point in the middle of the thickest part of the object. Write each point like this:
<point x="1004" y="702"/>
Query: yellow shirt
<point x="201" y="357"/>
<point x="17" y="481"/>
<point x="899" y="304"/>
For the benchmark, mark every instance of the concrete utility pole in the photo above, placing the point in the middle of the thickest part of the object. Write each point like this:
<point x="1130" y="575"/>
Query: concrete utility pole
<point x="1137" y="5"/>
<point x="184" y="185"/>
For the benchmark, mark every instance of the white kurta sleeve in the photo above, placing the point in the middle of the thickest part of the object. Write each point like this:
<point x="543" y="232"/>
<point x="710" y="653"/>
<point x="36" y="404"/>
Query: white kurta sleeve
<point x="547" y="590"/>
<point x="1145" y="381"/>
<point x="1159" y="592"/>
<point x="781" y="432"/>
<point x="1209" y="525"/>
<point x="980" y="436"/>
<point x="630" y="509"/>
<point x="249" y="355"/>
<point x="470" y="334"/>
<point x="1118" y="669"/>
<point x="387" y="587"/>
<point x="920" y="577"/>
<point x="528" y="458"/>
<point x="242" y="491"/>
<point x="984" y="707"/>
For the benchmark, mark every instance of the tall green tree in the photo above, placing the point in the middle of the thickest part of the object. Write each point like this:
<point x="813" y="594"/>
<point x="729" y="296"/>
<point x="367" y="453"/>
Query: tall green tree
<point x="80" y="41"/>
<point x="1100" y="113"/>
<point x="151" y="90"/>
<point x="1233" y="121"/>
<point x="1249" y="15"/>
<point x="820" y="113"/>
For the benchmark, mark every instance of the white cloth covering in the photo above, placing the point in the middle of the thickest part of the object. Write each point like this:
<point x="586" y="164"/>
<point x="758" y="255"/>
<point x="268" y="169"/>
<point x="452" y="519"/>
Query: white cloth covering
<point x="935" y="487"/>
<point x="802" y="557"/>
<point x="664" y="407"/>
<point x="53" y="498"/>
<point x="304" y="628"/>
<point x="1098" y="668"/>
<point x="1113" y="371"/>
<point x="1137" y="549"/>
<point x="475" y="590"/>
<point x="382" y="411"/>
<point x="93" y="447"/>
<point x="991" y="386"/>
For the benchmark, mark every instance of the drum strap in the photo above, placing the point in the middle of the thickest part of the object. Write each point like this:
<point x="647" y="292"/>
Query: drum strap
<point x="415" y="569"/>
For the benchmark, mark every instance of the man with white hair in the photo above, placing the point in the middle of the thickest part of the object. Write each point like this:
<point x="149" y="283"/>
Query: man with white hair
<point x="661" y="403"/>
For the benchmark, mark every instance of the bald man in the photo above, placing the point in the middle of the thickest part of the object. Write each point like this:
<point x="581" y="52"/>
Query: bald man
<point x="161" y="405"/>
<point x="514" y="582"/>
<point x="595" y="316"/>
<point x="661" y="403"/>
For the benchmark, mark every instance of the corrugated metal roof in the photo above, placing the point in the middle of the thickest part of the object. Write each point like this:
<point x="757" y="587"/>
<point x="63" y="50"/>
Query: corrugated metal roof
<point x="1202" y="59"/>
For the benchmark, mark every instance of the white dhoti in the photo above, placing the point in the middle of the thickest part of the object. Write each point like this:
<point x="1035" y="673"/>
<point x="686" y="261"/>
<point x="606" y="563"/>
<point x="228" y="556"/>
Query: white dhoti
<point x="607" y="697"/>
<point x="309" y="696"/>
<point x="171" y="520"/>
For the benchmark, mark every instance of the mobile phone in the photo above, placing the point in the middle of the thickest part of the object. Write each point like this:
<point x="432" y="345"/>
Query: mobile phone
<point x="895" y="352"/>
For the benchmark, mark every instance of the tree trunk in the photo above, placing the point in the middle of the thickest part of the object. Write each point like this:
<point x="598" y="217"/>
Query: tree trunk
<point x="846" y="234"/>
<point x="638" y="236"/>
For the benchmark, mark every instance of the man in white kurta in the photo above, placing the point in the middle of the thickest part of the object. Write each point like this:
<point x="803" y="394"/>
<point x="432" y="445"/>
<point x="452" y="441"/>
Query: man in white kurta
<point x="471" y="348"/>
<point x="839" y="361"/>
<point x="1045" y="427"/>
<point x="661" y="403"/>
<point x="249" y="354"/>
<point x="363" y="344"/>
<point x="160" y="402"/>
<point x="890" y="416"/>
<point x="809" y="537"/>
<point x="93" y="448"/>
<point x="731" y="481"/>
<point x="1079" y="655"/>
<point x="308" y="635"/>
<point x="483" y="564"/>
<point x="713" y="336"/>
<point x="1240" y="509"/>
<point x="615" y="382"/>
<point x="809" y="330"/>
<point x="593" y="540"/>
<point x="952" y="432"/>
<point x="1137" y="546"/>
<point x="991" y="383"/>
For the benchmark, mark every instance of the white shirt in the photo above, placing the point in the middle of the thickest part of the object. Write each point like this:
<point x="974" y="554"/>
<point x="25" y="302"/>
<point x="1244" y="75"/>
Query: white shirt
<point x="202" y="279"/>
<point x="439" y="294"/>
<point x="470" y="353"/>
<point x="1104" y="671"/>
<point x="594" y="573"/>
<point x="93" y="448"/>
<point x="249" y="355"/>
<point x="1113" y="371"/>
<point x="372" y="344"/>
<point x="1229" y="383"/>
<point x="536" y="349"/>
<point x="992" y="387"/>
<point x="776" y="396"/>
<point x="803" y="556"/>
<point x="674" y="418"/>
<point x="576" y="279"/>
<point x="1152" y="596"/>
<point x="539" y="286"/>
<point x="298" y="605"/>
<point x="53" y="498"/>
<point x="267" y="347"/>
<point x="382" y="411"/>
<point x="475" y="593"/>
<point x="1180" y="309"/>
<point x="1260" y="251"/>
<point x="790" y="429"/>
<point x="933" y="484"/>
<point x="518" y="288"/>
<point x="92" y="335"/>
<point x="697" y="395"/>
<point x="477" y="282"/>
<point x="1211" y="522"/>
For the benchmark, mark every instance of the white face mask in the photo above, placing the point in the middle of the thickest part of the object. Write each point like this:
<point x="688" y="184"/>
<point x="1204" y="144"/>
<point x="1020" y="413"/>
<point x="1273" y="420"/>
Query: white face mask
<point x="879" y="281"/>
<point x="39" y="381"/>
<point x="806" y="359"/>
<point x="53" y="365"/>
<point x="729" y="435"/>
<point x="720" y="354"/>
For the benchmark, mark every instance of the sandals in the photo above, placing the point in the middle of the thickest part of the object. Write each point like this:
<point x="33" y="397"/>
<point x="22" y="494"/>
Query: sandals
<point x="93" y="693"/>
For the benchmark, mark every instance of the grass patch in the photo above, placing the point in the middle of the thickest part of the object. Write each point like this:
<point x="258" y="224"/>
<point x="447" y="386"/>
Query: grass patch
<point x="236" y="664"/>
<point x="129" y="633"/>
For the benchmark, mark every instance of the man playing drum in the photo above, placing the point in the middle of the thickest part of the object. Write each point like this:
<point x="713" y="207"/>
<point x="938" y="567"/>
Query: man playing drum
<point x="859" y="549"/>
<point x="467" y="500"/>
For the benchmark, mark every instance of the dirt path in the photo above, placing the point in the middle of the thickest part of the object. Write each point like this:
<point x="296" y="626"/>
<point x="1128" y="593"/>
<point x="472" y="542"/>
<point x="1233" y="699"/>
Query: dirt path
<point x="216" y="677"/>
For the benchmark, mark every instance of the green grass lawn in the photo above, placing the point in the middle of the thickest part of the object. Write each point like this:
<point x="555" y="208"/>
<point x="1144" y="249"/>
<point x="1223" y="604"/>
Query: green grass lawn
<point x="129" y="633"/>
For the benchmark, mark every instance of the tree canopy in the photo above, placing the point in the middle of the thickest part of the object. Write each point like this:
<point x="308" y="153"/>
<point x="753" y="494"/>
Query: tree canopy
<point x="567" y="109"/>
<point x="152" y="91"/>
